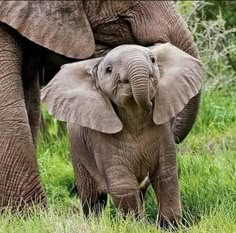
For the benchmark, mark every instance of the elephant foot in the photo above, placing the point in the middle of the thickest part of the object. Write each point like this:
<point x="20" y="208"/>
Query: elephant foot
<point x="96" y="205"/>
<point x="169" y="223"/>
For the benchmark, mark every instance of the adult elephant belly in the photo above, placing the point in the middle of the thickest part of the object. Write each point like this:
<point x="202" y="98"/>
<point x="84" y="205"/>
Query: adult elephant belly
<point x="114" y="33"/>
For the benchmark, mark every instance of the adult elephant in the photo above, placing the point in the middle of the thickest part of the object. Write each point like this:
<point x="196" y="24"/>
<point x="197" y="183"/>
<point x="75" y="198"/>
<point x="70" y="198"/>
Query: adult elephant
<point x="69" y="29"/>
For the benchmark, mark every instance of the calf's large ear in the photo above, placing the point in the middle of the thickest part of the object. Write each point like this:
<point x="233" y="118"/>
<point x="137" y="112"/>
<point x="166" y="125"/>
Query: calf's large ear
<point x="72" y="96"/>
<point x="180" y="80"/>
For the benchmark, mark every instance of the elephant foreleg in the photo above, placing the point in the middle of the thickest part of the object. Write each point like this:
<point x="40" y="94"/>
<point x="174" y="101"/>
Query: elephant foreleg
<point x="92" y="199"/>
<point x="92" y="192"/>
<point x="124" y="190"/>
<point x="20" y="185"/>
<point x="166" y="188"/>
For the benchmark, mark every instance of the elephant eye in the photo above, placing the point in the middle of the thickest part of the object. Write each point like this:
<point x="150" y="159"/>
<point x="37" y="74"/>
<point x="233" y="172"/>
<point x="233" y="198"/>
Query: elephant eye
<point x="153" y="60"/>
<point x="109" y="69"/>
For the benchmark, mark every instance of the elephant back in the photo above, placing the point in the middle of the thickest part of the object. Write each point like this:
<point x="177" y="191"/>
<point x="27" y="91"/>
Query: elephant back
<point x="61" y="26"/>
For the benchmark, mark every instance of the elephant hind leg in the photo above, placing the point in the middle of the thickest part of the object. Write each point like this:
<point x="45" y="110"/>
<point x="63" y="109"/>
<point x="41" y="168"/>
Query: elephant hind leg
<point x="20" y="185"/>
<point x="31" y="73"/>
<point x="93" y="199"/>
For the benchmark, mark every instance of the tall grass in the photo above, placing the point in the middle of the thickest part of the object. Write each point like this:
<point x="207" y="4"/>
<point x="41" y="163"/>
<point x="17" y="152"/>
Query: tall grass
<point x="207" y="167"/>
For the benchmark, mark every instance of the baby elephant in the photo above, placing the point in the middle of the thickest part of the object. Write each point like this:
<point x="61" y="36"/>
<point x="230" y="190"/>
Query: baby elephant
<point x="118" y="110"/>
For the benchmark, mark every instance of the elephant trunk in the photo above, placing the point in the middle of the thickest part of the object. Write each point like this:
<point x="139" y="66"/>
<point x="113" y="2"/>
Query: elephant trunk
<point x="139" y="73"/>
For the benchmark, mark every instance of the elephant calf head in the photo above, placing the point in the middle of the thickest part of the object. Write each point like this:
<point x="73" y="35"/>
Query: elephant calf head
<point x="128" y="76"/>
<point x="161" y="78"/>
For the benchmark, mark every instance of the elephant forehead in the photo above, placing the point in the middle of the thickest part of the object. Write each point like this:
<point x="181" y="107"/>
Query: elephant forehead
<point x="120" y="52"/>
<point x="130" y="48"/>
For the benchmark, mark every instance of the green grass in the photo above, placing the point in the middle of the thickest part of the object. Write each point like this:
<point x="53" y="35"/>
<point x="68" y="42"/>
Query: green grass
<point x="207" y="172"/>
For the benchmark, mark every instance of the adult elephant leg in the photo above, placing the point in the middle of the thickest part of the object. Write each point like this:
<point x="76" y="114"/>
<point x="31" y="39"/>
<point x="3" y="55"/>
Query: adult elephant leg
<point x="184" y="121"/>
<point x="181" y="37"/>
<point x="32" y="70"/>
<point x="20" y="185"/>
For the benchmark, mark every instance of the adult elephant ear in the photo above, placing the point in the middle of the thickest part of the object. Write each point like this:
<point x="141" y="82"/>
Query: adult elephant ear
<point x="61" y="26"/>
<point x="72" y="96"/>
<point x="180" y="80"/>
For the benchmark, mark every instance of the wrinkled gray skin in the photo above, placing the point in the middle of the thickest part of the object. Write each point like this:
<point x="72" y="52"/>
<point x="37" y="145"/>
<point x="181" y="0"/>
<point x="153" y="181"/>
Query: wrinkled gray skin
<point x="119" y="110"/>
<point x="71" y="29"/>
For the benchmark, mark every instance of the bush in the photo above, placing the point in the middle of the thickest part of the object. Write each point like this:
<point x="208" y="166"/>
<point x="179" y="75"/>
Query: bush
<point x="216" y="40"/>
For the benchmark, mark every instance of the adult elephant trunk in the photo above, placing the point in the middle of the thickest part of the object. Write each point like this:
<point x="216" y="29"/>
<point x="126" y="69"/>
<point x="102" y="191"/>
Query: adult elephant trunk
<point x="138" y="75"/>
<point x="182" y="124"/>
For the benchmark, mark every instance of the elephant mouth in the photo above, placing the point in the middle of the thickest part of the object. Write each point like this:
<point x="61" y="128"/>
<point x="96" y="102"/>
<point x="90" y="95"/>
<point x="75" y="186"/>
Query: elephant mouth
<point x="127" y="98"/>
<point x="127" y="92"/>
<point x="128" y="95"/>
